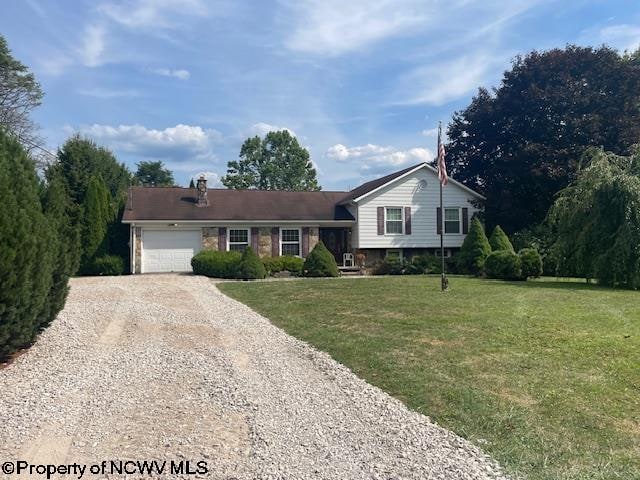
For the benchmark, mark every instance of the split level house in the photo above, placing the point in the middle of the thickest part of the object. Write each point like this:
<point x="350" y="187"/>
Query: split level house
<point x="397" y="215"/>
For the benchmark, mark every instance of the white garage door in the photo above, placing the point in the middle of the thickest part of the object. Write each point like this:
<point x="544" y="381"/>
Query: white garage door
<point x="169" y="250"/>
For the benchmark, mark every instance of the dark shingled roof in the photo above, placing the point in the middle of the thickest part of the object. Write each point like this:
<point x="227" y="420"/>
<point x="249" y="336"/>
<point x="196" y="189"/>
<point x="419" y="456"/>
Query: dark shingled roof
<point x="173" y="203"/>
<point x="373" y="184"/>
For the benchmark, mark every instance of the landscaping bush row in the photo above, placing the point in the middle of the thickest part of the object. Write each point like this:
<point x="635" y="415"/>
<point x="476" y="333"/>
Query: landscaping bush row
<point x="38" y="248"/>
<point x="416" y="265"/>
<point x="319" y="263"/>
<point x="495" y="257"/>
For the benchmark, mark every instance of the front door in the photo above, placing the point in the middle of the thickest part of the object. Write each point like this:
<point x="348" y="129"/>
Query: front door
<point x="335" y="239"/>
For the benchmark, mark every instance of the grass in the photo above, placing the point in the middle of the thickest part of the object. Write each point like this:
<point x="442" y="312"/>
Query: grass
<point x="544" y="376"/>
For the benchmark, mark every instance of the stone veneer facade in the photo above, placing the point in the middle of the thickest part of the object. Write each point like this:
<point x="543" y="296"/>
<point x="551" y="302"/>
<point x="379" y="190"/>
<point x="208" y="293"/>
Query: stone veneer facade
<point x="138" y="247"/>
<point x="210" y="239"/>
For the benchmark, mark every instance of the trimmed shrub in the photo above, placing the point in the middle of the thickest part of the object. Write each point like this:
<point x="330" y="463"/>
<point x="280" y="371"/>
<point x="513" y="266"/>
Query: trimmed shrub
<point x="475" y="249"/>
<point x="499" y="240"/>
<point x="320" y="263"/>
<point x="106" y="265"/>
<point x="216" y="264"/>
<point x="389" y="266"/>
<point x="250" y="266"/>
<point x="286" y="262"/>
<point x="503" y="264"/>
<point x="421" y="264"/>
<point x="531" y="263"/>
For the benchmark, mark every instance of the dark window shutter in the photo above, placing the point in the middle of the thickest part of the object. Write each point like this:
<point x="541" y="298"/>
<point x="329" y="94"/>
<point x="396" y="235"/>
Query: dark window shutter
<point x="275" y="241"/>
<point x="407" y="220"/>
<point x="254" y="238"/>
<point x="222" y="239"/>
<point x="380" y="220"/>
<point x="305" y="241"/>
<point x="439" y="220"/>
<point x="465" y="220"/>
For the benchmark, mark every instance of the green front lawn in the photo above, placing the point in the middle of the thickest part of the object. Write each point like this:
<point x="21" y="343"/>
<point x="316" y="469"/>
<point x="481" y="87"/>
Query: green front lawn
<point x="544" y="376"/>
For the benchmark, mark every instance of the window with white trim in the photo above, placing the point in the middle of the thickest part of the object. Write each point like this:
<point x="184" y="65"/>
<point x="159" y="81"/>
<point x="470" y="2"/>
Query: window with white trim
<point x="393" y="223"/>
<point x="452" y="220"/>
<point x="290" y="241"/>
<point x="238" y="239"/>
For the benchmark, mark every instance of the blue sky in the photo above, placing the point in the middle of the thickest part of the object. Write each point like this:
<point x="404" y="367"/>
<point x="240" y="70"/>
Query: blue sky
<point x="361" y="83"/>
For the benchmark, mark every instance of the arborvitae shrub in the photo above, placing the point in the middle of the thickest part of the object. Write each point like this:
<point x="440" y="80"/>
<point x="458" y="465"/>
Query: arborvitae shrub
<point x="503" y="264"/>
<point x="499" y="240"/>
<point x="320" y="263"/>
<point x="531" y="263"/>
<point x="475" y="249"/>
<point x="65" y="247"/>
<point x="215" y="264"/>
<point x="250" y="266"/>
<point x="26" y="259"/>
<point x="97" y="215"/>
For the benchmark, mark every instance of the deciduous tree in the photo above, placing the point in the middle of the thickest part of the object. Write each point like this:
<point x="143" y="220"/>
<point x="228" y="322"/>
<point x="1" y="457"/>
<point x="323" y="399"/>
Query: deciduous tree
<point x="277" y="162"/>
<point x="153" y="174"/>
<point x="521" y="143"/>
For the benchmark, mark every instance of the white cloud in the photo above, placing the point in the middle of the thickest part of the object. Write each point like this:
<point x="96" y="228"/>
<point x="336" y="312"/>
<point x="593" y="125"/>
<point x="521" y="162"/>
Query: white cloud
<point x="213" y="179"/>
<point x="151" y="13"/>
<point x="99" y="92"/>
<point x="168" y="72"/>
<point x="376" y="157"/>
<point x="262" y="129"/>
<point x="623" y="36"/>
<point x="181" y="143"/>
<point x="439" y="83"/>
<point x="93" y="46"/>
<point x="334" y="27"/>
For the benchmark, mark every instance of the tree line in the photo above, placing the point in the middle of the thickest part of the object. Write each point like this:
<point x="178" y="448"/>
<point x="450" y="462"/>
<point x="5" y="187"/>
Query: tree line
<point x="554" y="150"/>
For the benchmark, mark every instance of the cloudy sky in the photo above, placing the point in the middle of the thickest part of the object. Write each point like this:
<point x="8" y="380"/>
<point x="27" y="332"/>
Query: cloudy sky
<point x="361" y="83"/>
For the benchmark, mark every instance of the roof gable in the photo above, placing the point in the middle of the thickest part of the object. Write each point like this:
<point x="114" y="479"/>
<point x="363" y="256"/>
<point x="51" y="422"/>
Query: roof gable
<point x="373" y="186"/>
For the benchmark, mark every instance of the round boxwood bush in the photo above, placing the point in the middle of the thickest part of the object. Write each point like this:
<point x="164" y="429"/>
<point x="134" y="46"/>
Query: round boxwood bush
<point x="106" y="265"/>
<point x="320" y="263"/>
<point x="531" y="262"/>
<point x="503" y="264"/>
<point x="499" y="240"/>
<point x="251" y="266"/>
<point x="211" y="263"/>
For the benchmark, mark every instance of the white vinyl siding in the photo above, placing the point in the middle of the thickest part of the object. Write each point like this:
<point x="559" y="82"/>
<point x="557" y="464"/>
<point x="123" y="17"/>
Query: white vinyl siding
<point x="423" y="201"/>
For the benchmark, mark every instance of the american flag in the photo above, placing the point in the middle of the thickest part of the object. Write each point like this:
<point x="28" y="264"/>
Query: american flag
<point x="442" y="168"/>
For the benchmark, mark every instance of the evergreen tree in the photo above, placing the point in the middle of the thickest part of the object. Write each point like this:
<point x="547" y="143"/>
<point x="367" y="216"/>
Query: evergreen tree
<point x="251" y="267"/>
<point x="475" y="249"/>
<point x="191" y="184"/>
<point x="320" y="263"/>
<point x="65" y="247"/>
<point x="499" y="240"/>
<point x="96" y="217"/>
<point x="25" y="261"/>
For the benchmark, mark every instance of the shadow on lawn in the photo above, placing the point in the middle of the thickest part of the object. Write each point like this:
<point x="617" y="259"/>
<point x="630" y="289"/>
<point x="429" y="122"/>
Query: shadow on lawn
<point x="565" y="285"/>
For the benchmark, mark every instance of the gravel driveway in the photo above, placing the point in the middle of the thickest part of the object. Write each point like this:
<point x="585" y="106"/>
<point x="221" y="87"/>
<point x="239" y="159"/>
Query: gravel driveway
<point x="166" y="367"/>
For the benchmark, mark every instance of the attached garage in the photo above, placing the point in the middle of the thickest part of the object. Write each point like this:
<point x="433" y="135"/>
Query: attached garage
<point x="169" y="250"/>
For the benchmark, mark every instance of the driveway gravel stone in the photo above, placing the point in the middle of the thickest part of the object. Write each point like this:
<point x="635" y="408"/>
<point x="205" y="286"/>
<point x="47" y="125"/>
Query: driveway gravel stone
<point x="166" y="367"/>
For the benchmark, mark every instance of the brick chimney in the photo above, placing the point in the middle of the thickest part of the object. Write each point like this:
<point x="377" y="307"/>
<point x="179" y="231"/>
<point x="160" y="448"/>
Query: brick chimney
<point x="201" y="187"/>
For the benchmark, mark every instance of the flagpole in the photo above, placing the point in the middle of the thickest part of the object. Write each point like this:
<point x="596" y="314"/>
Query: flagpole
<point x="443" y="277"/>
